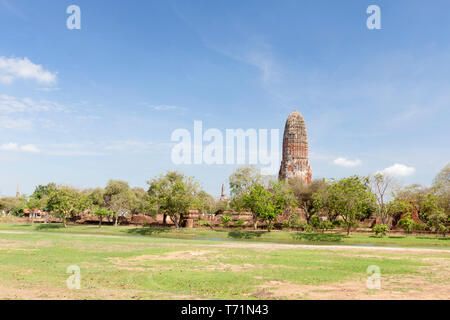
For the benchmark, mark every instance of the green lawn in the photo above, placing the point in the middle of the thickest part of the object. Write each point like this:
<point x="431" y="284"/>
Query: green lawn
<point x="142" y="263"/>
<point x="418" y="241"/>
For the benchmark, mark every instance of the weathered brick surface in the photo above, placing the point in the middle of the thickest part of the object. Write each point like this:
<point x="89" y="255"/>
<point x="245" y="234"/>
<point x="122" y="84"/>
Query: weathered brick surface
<point x="295" y="161"/>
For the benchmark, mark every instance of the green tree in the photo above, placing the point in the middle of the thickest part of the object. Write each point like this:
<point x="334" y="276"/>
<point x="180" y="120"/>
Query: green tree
<point x="13" y="205"/>
<point x="348" y="197"/>
<point x="64" y="202"/>
<point x="407" y="224"/>
<point x="102" y="213"/>
<point x="258" y="201"/>
<point x="241" y="181"/>
<point x="119" y="198"/>
<point x="96" y="197"/>
<point x="206" y="203"/>
<point x="267" y="204"/>
<point x="142" y="203"/>
<point x="173" y="194"/>
<point x="303" y="195"/>
<point x="43" y="191"/>
<point x="441" y="187"/>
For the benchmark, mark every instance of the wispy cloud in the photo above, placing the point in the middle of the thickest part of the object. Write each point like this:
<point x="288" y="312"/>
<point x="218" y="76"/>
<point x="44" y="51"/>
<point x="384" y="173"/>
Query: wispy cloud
<point x="9" y="104"/>
<point x="343" y="162"/>
<point x="14" y="10"/>
<point x="258" y="55"/>
<point x="129" y="145"/>
<point x="12" y="123"/>
<point x="48" y="89"/>
<point x="12" y="69"/>
<point x="19" y="148"/>
<point x="167" y="108"/>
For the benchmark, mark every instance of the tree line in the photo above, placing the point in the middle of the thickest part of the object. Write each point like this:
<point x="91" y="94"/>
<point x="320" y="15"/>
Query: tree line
<point x="324" y="204"/>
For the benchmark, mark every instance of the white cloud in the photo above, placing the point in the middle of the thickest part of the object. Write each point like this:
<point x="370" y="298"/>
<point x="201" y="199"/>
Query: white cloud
<point x="9" y="104"/>
<point x="343" y="162"/>
<point x="16" y="147"/>
<point x="398" y="170"/>
<point x="9" y="147"/>
<point x="29" y="148"/>
<point x="22" y="68"/>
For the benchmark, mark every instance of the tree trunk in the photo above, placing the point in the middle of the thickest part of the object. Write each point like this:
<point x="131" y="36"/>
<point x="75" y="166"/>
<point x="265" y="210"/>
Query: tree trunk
<point x="65" y="222"/>
<point x="100" y="224"/>
<point x="164" y="219"/>
<point x="115" y="221"/>
<point x="255" y="225"/>
<point x="348" y="229"/>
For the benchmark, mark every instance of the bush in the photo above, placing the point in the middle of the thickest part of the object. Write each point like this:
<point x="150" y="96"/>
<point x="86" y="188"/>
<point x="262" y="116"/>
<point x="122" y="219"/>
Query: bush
<point x="318" y="224"/>
<point x="339" y="223"/>
<point x="418" y="226"/>
<point x="305" y="227"/>
<point x="407" y="224"/>
<point x="239" y="223"/>
<point x="226" y="219"/>
<point x="286" y="224"/>
<point x="380" y="230"/>
<point x="204" y="223"/>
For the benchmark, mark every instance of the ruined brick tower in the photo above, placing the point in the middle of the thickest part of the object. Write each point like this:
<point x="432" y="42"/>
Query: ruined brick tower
<point x="295" y="161"/>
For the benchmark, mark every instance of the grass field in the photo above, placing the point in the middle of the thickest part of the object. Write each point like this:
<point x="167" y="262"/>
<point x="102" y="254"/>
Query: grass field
<point x="143" y="263"/>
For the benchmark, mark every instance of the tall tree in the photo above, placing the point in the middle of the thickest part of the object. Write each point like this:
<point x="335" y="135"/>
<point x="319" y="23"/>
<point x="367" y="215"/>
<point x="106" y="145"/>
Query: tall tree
<point x="349" y="197"/>
<point x="64" y="202"/>
<point x="142" y="202"/>
<point x="173" y="194"/>
<point x="303" y="195"/>
<point x="382" y="187"/>
<point x="241" y="182"/>
<point x="267" y="204"/>
<point x="119" y="198"/>
<point x="441" y="187"/>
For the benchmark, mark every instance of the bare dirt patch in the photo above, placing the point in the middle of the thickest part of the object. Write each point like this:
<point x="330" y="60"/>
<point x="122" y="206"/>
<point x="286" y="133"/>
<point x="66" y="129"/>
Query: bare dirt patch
<point x="135" y="263"/>
<point x="433" y="282"/>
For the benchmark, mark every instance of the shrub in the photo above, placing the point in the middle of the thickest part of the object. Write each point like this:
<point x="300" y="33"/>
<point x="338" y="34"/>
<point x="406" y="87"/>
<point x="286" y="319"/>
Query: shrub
<point x="338" y="223"/>
<point x="226" y="219"/>
<point x="407" y="224"/>
<point x="239" y="223"/>
<point x="318" y="224"/>
<point x="380" y="230"/>
<point x="204" y="223"/>
<point x="443" y="229"/>
<point x="418" y="226"/>
<point x="286" y="224"/>
<point x="305" y="227"/>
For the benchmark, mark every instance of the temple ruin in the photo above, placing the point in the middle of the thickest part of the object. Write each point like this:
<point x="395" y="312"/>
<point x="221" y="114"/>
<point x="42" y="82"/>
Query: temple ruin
<point x="295" y="163"/>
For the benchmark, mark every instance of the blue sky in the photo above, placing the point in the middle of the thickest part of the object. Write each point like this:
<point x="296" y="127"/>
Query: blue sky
<point x="83" y="106"/>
